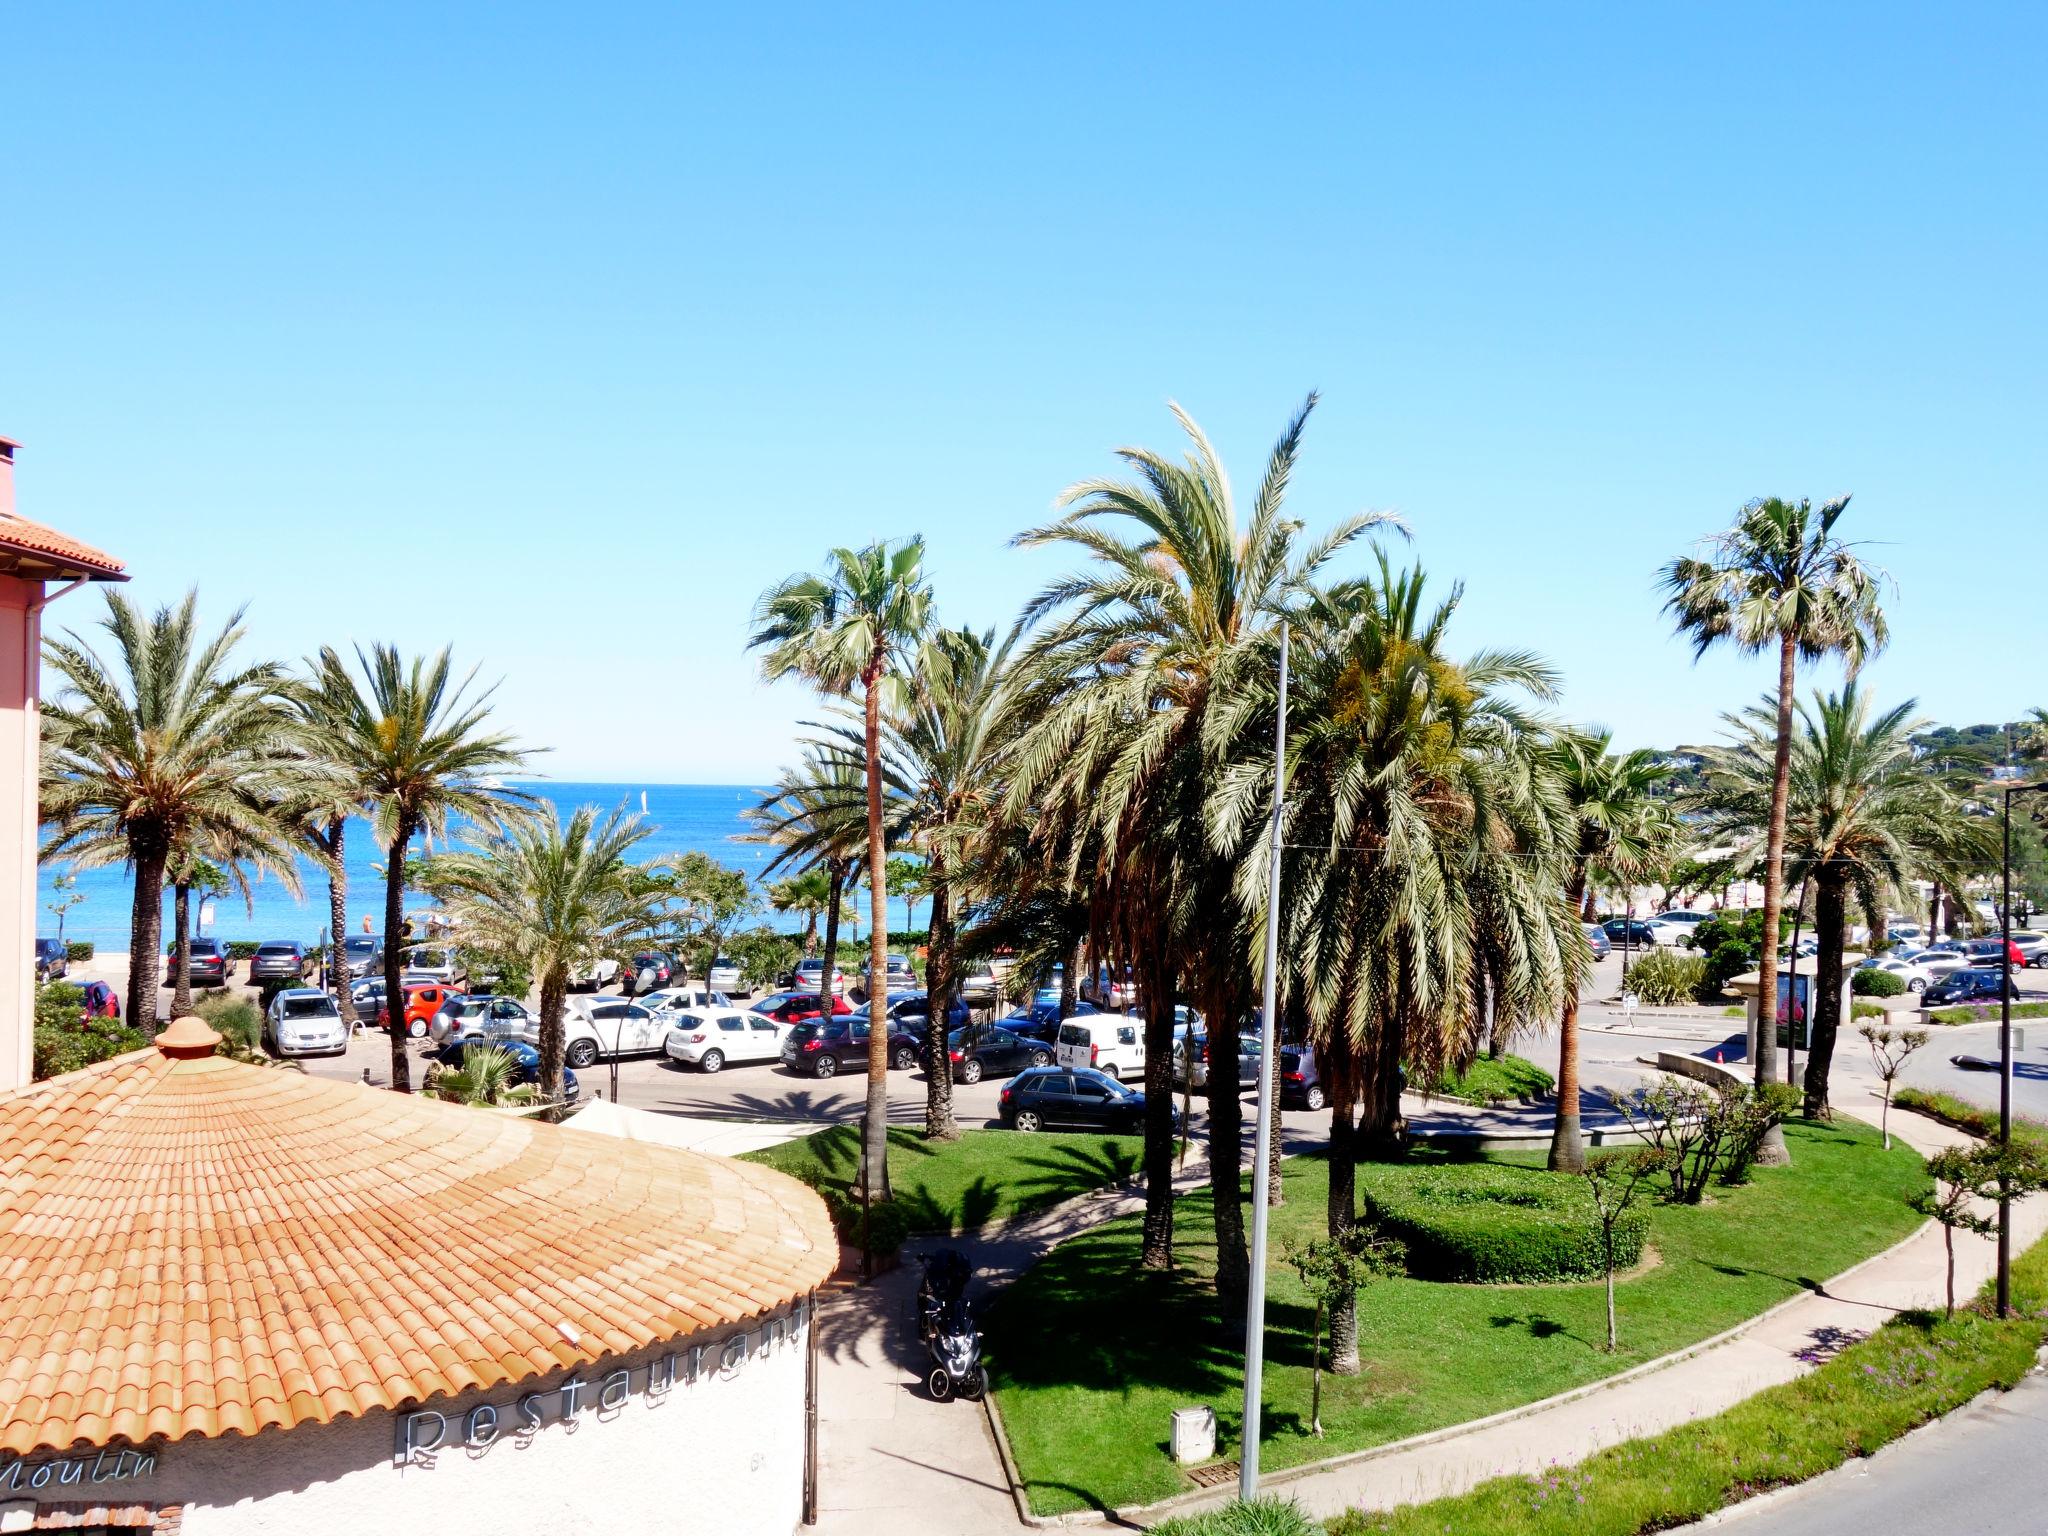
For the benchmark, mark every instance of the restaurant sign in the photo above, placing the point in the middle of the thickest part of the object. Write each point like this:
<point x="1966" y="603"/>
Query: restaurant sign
<point x="425" y="1431"/>
<point x="102" y="1467"/>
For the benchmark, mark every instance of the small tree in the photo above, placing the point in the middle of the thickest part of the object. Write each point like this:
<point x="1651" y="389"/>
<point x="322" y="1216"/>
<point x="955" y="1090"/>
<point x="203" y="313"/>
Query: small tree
<point x="1967" y="1176"/>
<point x="65" y="889"/>
<point x="1336" y="1269"/>
<point x="1612" y="1181"/>
<point x="1889" y="1049"/>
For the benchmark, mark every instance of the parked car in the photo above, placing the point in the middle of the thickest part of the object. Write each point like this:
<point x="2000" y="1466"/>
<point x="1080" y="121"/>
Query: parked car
<point x="690" y="995"/>
<point x="1684" y="917"/>
<point x="1111" y="993"/>
<point x="368" y="998"/>
<point x="1629" y="933"/>
<point x="809" y="975"/>
<point x="53" y="960"/>
<point x="2034" y="946"/>
<point x="609" y="1026"/>
<point x="209" y="966"/>
<point x="1992" y="953"/>
<point x="525" y="1059"/>
<point x="435" y="962"/>
<point x="1111" y="1043"/>
<point x="898" y="973"/>
<point x="1914" y="976"/>
<point x="798" y="1007"/>
<point x="304" y="1021"/>
<point x="1909" y="934"/>
<point x="978" y="987"/>
<point x="424" y="999"/>
<point x="1191" y="1060"/>
<point x="362" y="954"/>
<point x="650" y="970"/>
<point x="278" y="960"/>
<point x="912" y="1012"/>
<point x="991" y="1051"/>
<point x="724" y="975"/>
<point x="1945" y="961"/>
<point x="824" y="1049"/>
<point x="1597" y="937"/>
<point x="474" y="1013"/>
<point x="1301" y="1086"/>
<point x="593" y="973"/>
<point x="1041" y="1021"/>
<point x="712" y="1038"/>
<point x="1968" y="986"/>
<point x="1046" y="1096"/>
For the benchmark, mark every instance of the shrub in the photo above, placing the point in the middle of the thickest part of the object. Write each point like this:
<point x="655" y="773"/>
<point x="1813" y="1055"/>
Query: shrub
<point x="241" y="949"/>
<point x="1664" y="977"/>
<point x="1496" y="1080"/>
<point x="1733" y="942"/>
<point x="66" y="1040"/>
<point x="888" y="1221"/>
<point x="78" y="949"/>
<point x="1261" y="1517"/>
<point x="1703" y="1130"/>
<point x="1481" y="1223"/>
<point x="238" y="1021"/>
<point x="1867" y="1010"/>
<point x="1866" y="982"/>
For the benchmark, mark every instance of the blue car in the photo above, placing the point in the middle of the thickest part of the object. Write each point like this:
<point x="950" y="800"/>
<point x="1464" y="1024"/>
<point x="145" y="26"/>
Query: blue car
<point x="527" y="1058"/>
<point x="1041" y="1021"/>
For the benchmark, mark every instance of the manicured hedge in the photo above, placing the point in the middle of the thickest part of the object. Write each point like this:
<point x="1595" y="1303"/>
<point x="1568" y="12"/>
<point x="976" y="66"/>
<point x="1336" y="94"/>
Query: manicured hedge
<point x="1483" y="1223"/>
<point x="1866" y="982"/>
<point x="78" y="949"/>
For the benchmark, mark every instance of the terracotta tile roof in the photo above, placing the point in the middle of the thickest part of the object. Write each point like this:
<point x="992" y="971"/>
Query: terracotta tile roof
<point x="191" y="1246"/>
<point x="46" y="546"/>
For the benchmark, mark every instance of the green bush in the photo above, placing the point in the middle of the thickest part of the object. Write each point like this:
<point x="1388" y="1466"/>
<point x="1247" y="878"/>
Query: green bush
<point x="1261" y="1517"/>
<point x="1484" y="1223"/>
<point x="888" y="1221"/>
<point x="1496" y="1080"/>
<point x="241" y="949"/>
<point x="1664" y="977"/>
<point x="1733" y="942"/>
<point x="1865" y="1010"/>
<point x="236" y="1018"/>
<point x="1866" y="982"/>
<point x="66" y="1040"/>
<point x="78" y="949"/>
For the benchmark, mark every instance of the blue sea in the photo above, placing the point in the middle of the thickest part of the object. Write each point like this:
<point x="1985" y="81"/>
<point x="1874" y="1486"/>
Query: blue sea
<point x="684" y="818"/>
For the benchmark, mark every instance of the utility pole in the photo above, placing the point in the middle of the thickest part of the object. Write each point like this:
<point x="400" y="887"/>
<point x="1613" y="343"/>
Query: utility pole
<point x="1262" y="1157"/>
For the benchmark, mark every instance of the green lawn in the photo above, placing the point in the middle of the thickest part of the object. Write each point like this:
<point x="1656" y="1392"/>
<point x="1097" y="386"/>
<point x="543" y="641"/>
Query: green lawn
<point x="956" y="1186"/>
<point x="1090" y="1355"/>
<point x="1494" y="1079"/>
<point x="1974" y="1118"/>
<point x="1979" y="1013"/>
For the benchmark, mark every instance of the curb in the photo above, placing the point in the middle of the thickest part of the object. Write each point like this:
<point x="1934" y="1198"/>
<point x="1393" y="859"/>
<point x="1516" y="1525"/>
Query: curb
<point x="1196" y="1498"/>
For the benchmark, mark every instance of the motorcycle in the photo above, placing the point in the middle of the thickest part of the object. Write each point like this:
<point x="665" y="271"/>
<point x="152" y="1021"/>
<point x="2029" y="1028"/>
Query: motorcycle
<point x="945" y="1324"/>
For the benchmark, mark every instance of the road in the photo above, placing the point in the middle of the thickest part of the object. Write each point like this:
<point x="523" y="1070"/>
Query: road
<point x="1977" y="1473"/>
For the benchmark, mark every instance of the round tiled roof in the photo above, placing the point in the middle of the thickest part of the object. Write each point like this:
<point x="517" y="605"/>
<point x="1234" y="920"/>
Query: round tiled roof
<point x="192" y="1246"/>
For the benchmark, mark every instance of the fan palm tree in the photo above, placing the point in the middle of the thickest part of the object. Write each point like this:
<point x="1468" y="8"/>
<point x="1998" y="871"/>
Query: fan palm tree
<point x="856" y="627"/>
<point x="1867" y="816"/>
<point x="1425" y="875"/>
<point x="413" y="746"/>
<point x="549" y="896"/>
<point x="1175" y="609"/>
<point x="1624" y="827"/>
<point x="806" y="893"/>
<point x="166" y="744"/>
<point x="1778" y="578"/>
<point x="487" y="1079"/>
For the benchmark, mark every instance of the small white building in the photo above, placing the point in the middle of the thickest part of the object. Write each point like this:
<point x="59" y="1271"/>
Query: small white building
<point x="235" y="1298"/>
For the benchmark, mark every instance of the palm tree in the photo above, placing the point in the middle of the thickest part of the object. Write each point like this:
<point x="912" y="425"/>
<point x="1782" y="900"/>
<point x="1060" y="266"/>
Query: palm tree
<point x="856" y="627"/>
<point x="1778" y="578"/>
<point x="320" y="813"/>
<point x="167" y="744"/>
<point x="817" y="818"/>
<point x="1623" y="828"/>
<point x="2034" y="735"/>
<point x="808" y="892"/>
<point x="487" y="1079"/>
<point x="1867" y="816"/>
<point x="550" y="896"/>
<point x="1175" y="610"/>
<point x="413" y="746"/>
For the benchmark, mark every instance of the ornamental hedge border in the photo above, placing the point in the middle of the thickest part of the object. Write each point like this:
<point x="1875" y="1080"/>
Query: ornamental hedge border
<point x="1486" y="1223"/>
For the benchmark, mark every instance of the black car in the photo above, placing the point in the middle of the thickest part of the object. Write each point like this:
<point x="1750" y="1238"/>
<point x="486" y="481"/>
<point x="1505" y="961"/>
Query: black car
<point x="362" y="955"/>
<point x="278" y="960"/>
<point x="525" y="1057"/>
<point x="52" y="960"/>
<point x="1629" y="933"/>
<point x="1040" y="1097"/>
<point x="650" y="970"/>
<point x="210" y="964"/>
<point x="913" y="1011"/>
<point x="825" y="1050"/>
<point x="1968" y="986"/>
<point x="993" y="1052"/>
<point x="1041" y="1021"/>
<point x="1301" y="1086"/>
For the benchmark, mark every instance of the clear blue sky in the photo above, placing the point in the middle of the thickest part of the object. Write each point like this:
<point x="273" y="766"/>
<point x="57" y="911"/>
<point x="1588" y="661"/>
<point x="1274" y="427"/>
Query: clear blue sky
<point x="558" y="332"/>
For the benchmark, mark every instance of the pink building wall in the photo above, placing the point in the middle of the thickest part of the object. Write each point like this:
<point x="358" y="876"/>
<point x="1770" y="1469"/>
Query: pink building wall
<point x="21" y="649"/>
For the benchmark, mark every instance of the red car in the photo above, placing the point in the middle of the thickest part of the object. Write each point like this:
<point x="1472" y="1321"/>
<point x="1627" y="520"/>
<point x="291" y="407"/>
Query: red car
<point x="423" y="1000"/>
<point x="798" y="1007"/>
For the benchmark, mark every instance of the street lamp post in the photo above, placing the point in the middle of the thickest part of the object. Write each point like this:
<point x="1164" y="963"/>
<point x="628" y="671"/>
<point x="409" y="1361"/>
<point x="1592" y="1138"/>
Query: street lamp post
<point x="2005" y="1047"/>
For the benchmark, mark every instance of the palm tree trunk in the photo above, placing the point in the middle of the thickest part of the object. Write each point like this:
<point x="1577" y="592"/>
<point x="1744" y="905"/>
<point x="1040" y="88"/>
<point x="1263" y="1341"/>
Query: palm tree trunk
<point x="1226" y="1155"/>
<point x="835" y="871"/>
<point x="938" y="992"/>
<point x="554" y="987"/>
<point x="1382" y="1130"/>
<point x="875" y="1136"/>
<point x="146" y="935"/>
<point x="1157" y="980"/>
<point x="1773" y="1149"/>
<point x="394" y="925"/>
<point x="181" y="949"/>
<point x="1070" y="978"/>
<point x="1567" y="1144"/>
<point x="1830" y="913"/>
<point x="337" y="922"/>
<point x="1343" y="1204"/>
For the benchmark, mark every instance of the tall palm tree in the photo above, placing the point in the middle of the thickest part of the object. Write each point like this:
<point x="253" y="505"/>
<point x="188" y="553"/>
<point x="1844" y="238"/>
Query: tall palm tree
<point x="320" y="812"/>
<point x="168" y="743"/>
<point x="1867" y="816"/>
<point x="1426" y="854"/>
<point x="806" y="893"/>
<point x="1623" y="828"/>
<point x="1778" y="578"/>
<point x="856" y="628"/>
<point x="413" y="744"/>
<point x="1176" y="607"/>
<point x="550" y="896"/>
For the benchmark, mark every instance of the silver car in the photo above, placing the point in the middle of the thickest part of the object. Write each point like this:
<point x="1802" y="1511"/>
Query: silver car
<point x="304" y="1021"/>
<point x="484" y="1015"/>
<point x="725" y="976"/>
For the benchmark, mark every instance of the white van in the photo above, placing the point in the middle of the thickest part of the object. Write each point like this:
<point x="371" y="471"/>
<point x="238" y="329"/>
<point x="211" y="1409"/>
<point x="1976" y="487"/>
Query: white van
<point x="1109" y="1042"/>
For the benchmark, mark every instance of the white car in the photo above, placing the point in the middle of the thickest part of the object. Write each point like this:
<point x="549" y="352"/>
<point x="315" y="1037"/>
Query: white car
<point x="1907" y="934"/>
<point x="1937" y="963"/>
<point x="609" y="1026"/>
<point x="1668" y="933"/>
<point x="690" y="995"/>
<point x="1683" y="917"/>
<point x="725" y="976"/>
<point x="1109" y="1042"/>
<point x="304" y="1021"/>
<point x="434" y="962"/>
<point x="711" y="1039"/>
<point x="1916" y="977"/>
<point x="593" y="974"/>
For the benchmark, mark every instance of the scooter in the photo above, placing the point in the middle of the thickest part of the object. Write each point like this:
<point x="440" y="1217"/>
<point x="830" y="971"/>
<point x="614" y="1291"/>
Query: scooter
<point x="945" y="1322"/>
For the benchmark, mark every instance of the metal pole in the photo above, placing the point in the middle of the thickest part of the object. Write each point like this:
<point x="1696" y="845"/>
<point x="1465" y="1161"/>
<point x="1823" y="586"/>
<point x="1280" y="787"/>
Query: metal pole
<point x="1262" y="1157"/>
<point x="2005" y="1066"/>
